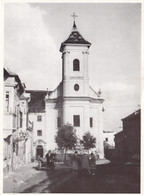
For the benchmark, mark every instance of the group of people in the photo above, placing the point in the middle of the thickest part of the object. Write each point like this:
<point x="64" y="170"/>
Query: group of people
<point x="87" y="162"/>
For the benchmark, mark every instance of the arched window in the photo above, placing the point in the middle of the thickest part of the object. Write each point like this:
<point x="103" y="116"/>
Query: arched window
<point x="76" y="65"/>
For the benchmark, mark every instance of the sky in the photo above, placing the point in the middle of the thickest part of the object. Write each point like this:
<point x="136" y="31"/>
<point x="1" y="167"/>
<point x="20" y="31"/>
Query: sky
<point x="33" y="33"/>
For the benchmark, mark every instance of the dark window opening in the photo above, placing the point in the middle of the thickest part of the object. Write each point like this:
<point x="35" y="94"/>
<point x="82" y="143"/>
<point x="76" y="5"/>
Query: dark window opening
<point x="7" y="102"/>
<point x="76" y="120"/>
<point x="20" y="119"/>
<point x="58" y="122"/>
<point x="91" y="122"/>
<point x="106" y="139"/>
<point x="39" y="118"/>
<point x="76" y="65"/>
<point x="15" y="148"/>
<point x="39" y="132"/>
<point x="76" y="87"/>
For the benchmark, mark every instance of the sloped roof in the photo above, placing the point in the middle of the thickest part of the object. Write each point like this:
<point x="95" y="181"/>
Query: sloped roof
<point x="119" y="134"/>
<point x="37" y="102"/>
<point x="133" y="115"/>
<point x="8" y="73"/>
<point x="75" y="38"/>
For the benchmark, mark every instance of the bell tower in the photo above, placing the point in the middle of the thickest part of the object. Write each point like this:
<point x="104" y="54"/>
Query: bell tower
<point x="75" y="52"/>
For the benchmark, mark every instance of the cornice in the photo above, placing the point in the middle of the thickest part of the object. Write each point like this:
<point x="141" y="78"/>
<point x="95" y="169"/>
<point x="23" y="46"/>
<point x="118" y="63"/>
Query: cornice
<point x="71" y="98"/>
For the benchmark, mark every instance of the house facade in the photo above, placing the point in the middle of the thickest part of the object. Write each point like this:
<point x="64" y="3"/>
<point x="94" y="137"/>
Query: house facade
<point x="127" y="142"/>
<point x="17" y="129"/>
<point x="131" y="129"/>
<point x="37" y="115"/>
<point x="108" y="138"/>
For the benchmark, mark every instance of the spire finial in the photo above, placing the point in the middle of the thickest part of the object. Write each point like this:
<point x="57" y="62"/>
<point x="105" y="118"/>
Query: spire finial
<point x="74" y="16"/>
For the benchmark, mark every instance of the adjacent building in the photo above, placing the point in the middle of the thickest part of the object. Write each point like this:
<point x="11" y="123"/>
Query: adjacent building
<point x="127" y="142"/>
<point x="17" y="128"/>
<point x="108" y="138"/>
<point x="37" y="114"/>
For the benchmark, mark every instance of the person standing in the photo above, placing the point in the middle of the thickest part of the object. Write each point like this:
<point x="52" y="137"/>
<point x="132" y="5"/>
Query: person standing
<point x="75" y="163"/>
<point x="92" y="160"/>
<point x="85" y="163"/>
<point x="49" y="158"/>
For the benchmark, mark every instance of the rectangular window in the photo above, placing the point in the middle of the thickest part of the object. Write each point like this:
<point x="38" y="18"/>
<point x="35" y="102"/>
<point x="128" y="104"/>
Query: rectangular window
<point x="39" y="132"/>
<point x="76" y="120"/>
<point x="106" y="139"/>
<point x="7" y="102"/>
<point x="39" y="118"/>
<point x="58" y="122"/>
<point x="20" y="119"/>
<point x="91" y="122"/>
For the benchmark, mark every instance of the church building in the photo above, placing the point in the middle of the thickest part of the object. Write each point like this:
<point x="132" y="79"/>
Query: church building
<point x="73" y="101"/>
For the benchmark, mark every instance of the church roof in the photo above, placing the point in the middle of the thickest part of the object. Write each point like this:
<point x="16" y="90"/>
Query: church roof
<point x="75" y="38"/>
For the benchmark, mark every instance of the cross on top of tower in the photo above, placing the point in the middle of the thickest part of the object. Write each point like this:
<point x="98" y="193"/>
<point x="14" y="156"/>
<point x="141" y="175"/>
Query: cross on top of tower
<point x="74" y="16"/>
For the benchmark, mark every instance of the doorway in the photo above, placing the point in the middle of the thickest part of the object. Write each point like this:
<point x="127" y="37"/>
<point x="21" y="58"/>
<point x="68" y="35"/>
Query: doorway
<point x="39" y="151"/>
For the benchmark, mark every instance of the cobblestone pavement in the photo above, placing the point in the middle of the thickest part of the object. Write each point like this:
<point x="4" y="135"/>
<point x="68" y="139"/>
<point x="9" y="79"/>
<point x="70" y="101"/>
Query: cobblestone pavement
<point x="109" y="178"/>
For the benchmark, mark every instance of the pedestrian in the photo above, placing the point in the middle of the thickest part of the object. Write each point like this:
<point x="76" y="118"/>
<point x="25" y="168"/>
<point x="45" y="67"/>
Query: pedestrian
<point x="92" y="161"/>
<point x="97" y="155"/>
<point x="49" y="158"/>
<point x="85" y="162"/>
<point x="75" y="163"/>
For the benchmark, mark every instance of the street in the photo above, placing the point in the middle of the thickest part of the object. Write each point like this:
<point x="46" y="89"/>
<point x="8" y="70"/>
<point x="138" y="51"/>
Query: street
<point x="110" y="178"/>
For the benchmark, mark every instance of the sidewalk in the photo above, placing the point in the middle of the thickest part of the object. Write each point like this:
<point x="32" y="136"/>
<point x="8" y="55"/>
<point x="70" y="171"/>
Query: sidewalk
<point x="102" y="162"/>
<point x="19" y="176"/>
<point x="25" y="176"/>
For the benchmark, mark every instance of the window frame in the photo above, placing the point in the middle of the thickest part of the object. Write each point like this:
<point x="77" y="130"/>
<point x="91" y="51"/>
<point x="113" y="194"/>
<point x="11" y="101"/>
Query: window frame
<point x="76" y="120"/>
<point x="76" y="65"/>
<point x="106" y="139"/>
<point x="58" y="122"/>
<point x="39" y="132"/>
<point x="7" y="101"/>
<point x="91" y="122"/>
<point x="76" y="87"/>
<point x="21" y="119"/>
<point x="39" y="118"/>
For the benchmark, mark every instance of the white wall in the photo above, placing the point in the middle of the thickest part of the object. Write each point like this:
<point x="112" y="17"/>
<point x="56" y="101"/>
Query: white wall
<point x="70" y="108"/>
<point x="110" y="136"/>
<point x="52" y="113"/>
<point x="75" y="77"/>
<point x="38" y="125"/>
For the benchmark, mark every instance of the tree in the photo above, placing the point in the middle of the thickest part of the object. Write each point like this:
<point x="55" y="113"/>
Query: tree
<point x="66" y="137"/>
<point x="88" y="141"/>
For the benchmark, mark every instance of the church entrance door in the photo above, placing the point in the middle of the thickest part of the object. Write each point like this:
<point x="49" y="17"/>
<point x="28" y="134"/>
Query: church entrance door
<point x="39" y="151"/>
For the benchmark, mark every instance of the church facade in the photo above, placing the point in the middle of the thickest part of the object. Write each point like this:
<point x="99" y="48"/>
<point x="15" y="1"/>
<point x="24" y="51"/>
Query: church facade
<point x="74" y="101"/>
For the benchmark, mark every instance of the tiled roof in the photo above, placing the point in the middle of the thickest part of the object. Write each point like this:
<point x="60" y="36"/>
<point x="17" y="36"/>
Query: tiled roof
<point x="75" y="38"/>
<point x="37" y="102"/>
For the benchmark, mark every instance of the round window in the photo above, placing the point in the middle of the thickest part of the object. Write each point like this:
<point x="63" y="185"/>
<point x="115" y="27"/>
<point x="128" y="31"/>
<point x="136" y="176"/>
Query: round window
<point x="76" y="87"/>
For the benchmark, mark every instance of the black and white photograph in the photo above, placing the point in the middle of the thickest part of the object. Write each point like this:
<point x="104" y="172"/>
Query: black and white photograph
<point x="71" y="97"/>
